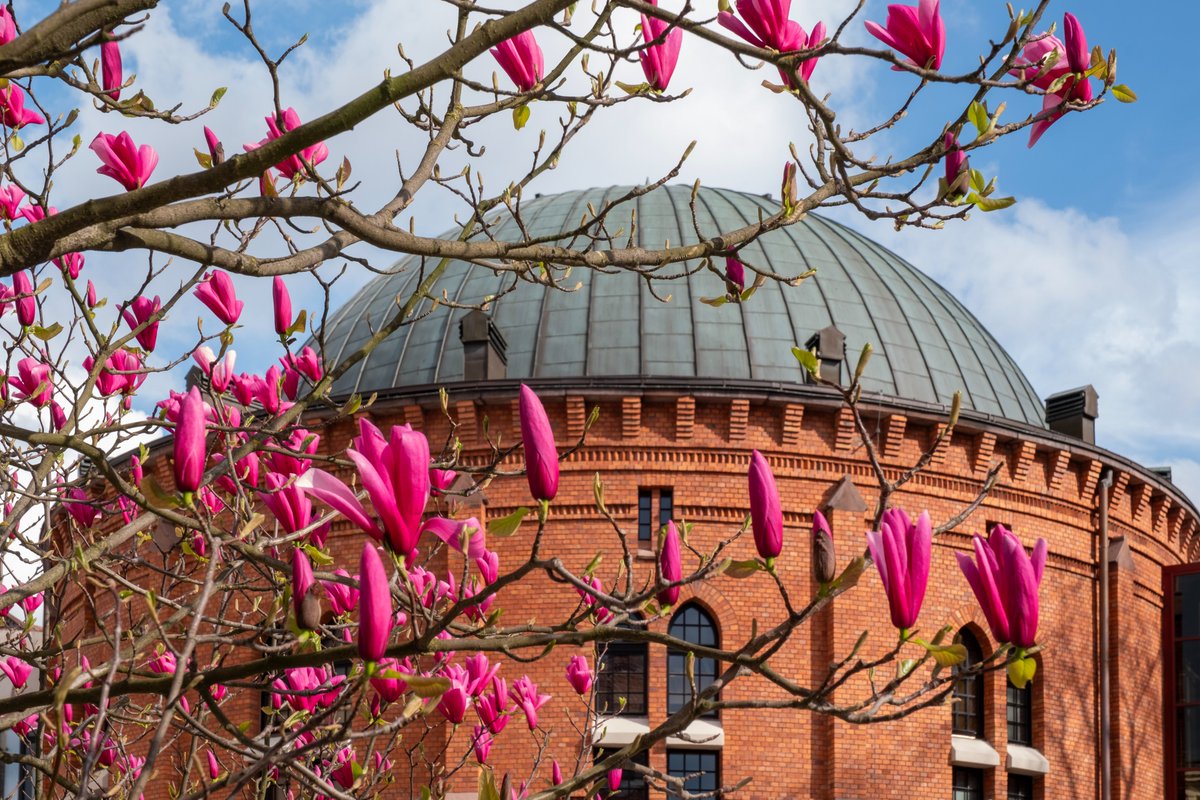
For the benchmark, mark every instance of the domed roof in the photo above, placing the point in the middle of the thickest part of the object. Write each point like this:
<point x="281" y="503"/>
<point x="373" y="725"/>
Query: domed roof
<point x="927" y="345"/>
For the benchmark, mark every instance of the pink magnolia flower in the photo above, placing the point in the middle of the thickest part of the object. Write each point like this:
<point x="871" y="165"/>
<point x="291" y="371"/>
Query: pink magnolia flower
<point x="8" y="27"/>
<point x="580" y="675"/>
<point x="735" y="273"/>
<point x="1005" y="580"/>
<point x="524" y="693"/>
<point x="395" y="473"/>
<point x="306" y="602"/>
<point x="11" y="197"/>
<point x="541" y="457"/>
<point x="388" y="679"/>
<point x="291" y="166"/>
<point x="299" y="441"/>
<point x="90" y="296"/>
<point x="658" y="60"/>
<point x="33" y="381"/>
<point x="219" y="372"/>
<point x="521" y="58"/>
<point x="25" y="299"/>
<point x="110" y="68"/>
<point x="824" y="556"/>
<point x="79" y="507"/>
<point x="488" y="565"/>
<point x="480" y="673"/>
<point x="466" y="536"/>
<point x="307" y="688"/>
<point x="162" y="663"/>
<point x="124" y="162"/>
<point x="441" y="479"/>
<point x="917" y="32"/>
<point x="901" y="552"/>
<point x="306" y="362"/>
<point x="493" y="708"/>
<point x="455" y="700"/>
<point x="121" y="373"/>
<point x="670" y="568"/>
<point x="767" y="25"/>
<point x="17" y="671"/>
<point x="375" y="605"/>
<point x="614" y="779"/>
<point x="287" y="502"/>
<point x="344" y="771"/>
<point x="189" y="442"/>
<point x="216" y="291"/>
<point x="766" y="513"/>
<point x="283" y="305"/>
<point x="70" y="263"/>
<point x="32" y="603"/>
<point x="13" y="113"/>
<point x="216" y="151"/>
<point x="1076" y="88"/>
<point x="141" y="311"/>
<point x="556" y="775"/>
<point x="58" y="418"/>
<point x="958" y="170"/>
<point x="482" y="742"/>
<point x="214" y="766"/>
<point x="342" y="598"/>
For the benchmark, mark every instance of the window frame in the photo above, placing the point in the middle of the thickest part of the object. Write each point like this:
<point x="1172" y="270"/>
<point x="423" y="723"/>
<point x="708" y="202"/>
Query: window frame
<point x="1020" y="701"/>
<point x="960" y="780"/>
<point x="702" y="664"/>
<point x="629" y="648"/>
<point x="686" y="751"/>
<point x="654" y="502"/>
<point x="1018" y="778"/>
<point x="1173" y="773"/>
<point x="976" y="685"/>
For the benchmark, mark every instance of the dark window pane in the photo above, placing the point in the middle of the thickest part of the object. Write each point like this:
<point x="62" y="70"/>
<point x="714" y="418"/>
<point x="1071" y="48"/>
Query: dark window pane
<point x="1020" y="787"/>
<point x="644" y="507"/>
<point x="1187" y="672"/>
<point x="691" y="624"/>
<point x="1188" y="787"/>
<point x="621" y="673"/>
<point x="666" y="506"/>
<point x="1187" y="605"/>
<point x="966" y="715"/>
<point x="1188" y="737"/>
<point x="702" y="768"/>
<point x="1020" y="714"/>
<point x="968" y="784"/>
<point x="633" y="784"/>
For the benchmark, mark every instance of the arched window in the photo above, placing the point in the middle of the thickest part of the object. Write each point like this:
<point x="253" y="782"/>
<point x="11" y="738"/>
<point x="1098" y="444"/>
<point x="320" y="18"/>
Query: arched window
<point x="621" y="678"/>
<point x="693" y="625"/>
<point x="967" y="710"/>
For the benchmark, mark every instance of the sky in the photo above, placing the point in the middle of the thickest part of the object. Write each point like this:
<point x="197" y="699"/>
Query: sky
<point x="1090" y="278"/>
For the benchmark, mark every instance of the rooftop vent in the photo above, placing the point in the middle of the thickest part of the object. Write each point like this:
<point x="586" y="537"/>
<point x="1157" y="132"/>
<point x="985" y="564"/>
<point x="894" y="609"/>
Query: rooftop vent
<point x="1074" y="413"/>
<point x="1162" y="472"/>
<point x="484" y="348"/>
<point x="830" y="346"/>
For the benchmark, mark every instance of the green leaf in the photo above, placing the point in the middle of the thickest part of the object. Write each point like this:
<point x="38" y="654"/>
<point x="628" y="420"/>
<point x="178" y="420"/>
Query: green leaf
<point x="317" y="555"/>
<point x="807" y="359"/>
<point x="978" y="182"/>
<point x="487" y="785"/>
<point x="203" y="159"/>
<point x="298" y="325"/>
<point x="155" y="496"/>
<point x="1124" y="93"/>
<point x="1021" y="671"/>
<point x="946" y="655"/>
<point x="978" y="115"/>
<point x="905" y="666"/>
<point x="16" y="143"/>
<point x="343" y="173"/>
<point x="520" y="116"/>
<point x="594" y="564"/>
<point x="216" y="96"/>
<point x="46" y="333"/>
<point x="427" y="687"/>
<point x="850" y="574"/>
<point x="991" y="203"/>
<point x="507" y="526"/>
<point x="633" y="88"/>
<point x="715" y="302"/>
<point x="743" y="569"/>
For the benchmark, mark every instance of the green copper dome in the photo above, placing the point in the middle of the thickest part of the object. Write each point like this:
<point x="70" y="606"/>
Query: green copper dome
<point x="927" y="345"/>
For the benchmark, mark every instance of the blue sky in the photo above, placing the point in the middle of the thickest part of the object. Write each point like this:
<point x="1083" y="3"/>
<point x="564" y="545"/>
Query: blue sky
<point x="1088" y="279"/>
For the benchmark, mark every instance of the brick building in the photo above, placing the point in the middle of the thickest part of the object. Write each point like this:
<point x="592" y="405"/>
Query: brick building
<point x="686" y="390"/>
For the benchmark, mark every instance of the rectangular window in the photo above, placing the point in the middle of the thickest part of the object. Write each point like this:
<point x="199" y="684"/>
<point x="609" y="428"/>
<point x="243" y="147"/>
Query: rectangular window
<point x="633" y="783"/>
<point x="1020" y="714"/>
<point x="645" y="507"/>
<point x="701" y="768"/>
<point x="1020" y="787"/>
<point x="1181" y="644"/>
<point x="621" y="679"/>
<point x="968" y="784"/>
<point x="647" y="500"/>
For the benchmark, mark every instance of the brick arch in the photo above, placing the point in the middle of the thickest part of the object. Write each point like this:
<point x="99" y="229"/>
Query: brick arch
<point x="969" y="616"/>
<point x="715" y="604"/>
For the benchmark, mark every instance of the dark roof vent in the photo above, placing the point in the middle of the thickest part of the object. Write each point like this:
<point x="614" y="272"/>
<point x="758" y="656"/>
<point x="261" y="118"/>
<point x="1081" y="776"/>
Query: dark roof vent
<point x="830" y="346"/>
<point x="1074" y="413"/>
<point x="1162" y="472"/>
<point x="484" y="348"/>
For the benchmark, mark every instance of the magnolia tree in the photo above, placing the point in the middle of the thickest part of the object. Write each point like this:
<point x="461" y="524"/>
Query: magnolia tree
<point x="254" y="489"/>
